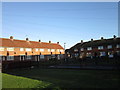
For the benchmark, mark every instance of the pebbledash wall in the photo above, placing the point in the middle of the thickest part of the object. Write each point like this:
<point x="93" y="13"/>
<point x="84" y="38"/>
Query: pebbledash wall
<point x="95" y="48"/>
<point x="20" y="50"/>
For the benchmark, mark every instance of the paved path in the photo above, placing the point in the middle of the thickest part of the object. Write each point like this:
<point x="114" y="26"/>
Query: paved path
<point x="84" y="67"/>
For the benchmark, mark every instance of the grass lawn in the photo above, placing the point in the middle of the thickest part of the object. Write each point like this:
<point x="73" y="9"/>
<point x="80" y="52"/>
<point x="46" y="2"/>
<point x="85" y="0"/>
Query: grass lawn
<point x="61" y="78"/>
<point x="11" y="81"/>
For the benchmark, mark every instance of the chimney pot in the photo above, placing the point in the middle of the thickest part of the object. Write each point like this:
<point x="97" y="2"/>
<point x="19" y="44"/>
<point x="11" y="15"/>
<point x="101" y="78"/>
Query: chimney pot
<point x="114" y="36"/>
<point x="39" y="40"/>
<point x="91" y="39"/>
<point x="27" y="39"/>
<point x="102" y="38"/>
<point x="11" y="37"/>
<point x="57" y="42"/>
<point x="81" y="41"/>
<point x="49" y="41"/>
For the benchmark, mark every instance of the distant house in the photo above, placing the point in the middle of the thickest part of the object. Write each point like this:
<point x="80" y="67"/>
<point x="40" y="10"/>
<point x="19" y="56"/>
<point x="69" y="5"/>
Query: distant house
<point x="95" y="48"/>
<point x="21" y="50"/>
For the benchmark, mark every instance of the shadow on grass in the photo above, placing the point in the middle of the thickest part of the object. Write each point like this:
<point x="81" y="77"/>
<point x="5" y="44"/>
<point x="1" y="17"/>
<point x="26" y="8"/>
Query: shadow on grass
<point x="66" y="78"/>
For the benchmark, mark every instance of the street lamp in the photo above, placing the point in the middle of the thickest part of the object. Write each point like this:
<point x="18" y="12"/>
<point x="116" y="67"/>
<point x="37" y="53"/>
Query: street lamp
<point x="64" y="51"/>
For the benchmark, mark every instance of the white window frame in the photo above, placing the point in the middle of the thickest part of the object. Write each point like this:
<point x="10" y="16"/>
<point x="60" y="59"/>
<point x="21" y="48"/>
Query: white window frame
<point x="41" y="50"/>
<point x="82" y="49"/>
<point x="21" y="49"/>
<point x="49" y="50"/>
<point x="61" y="50"/>
<point x="28" y="49"/>
<point x="52" y="50"/>
<point x="89" y="48"/>
<point x="2" y="48"/>
<point x="36" y="49"/>
<point x="10" y="49"/>
<point x="100" y="47"/>
<point x="75" y="50"/>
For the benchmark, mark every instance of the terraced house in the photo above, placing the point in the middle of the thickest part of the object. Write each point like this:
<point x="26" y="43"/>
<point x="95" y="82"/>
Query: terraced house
<point x="96" y="48"/>
<point x="21" y="50"/>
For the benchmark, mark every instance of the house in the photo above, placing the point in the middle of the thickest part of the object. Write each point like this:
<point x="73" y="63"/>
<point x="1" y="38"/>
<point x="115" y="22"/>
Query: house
<point x="21" y="50"/>
<point x="95" y="48"/>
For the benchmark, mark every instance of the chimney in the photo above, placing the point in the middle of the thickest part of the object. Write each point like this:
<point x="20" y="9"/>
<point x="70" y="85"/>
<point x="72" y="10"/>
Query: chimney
<point x="81" y="41"/>
<point x="102" y="38"/>
<point x="49" y="41"/>
<point x="27" y="39"/>
<point x="57" y="42"/>
<point x="91" y="39"/>
<point x="114" y="36"/>
<point x="11" y="37"/>
<point x="40" y="41"/>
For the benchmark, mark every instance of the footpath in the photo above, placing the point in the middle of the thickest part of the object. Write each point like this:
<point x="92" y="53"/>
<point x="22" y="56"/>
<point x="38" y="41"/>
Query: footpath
<point x="85" y="67"/>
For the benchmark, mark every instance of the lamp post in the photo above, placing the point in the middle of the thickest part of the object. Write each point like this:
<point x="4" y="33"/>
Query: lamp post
<point x="64" y="51"/>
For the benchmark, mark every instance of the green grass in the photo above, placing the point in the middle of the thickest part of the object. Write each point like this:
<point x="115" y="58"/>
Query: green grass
<point x="61" y="78"/>
<point x="10" y="81"/>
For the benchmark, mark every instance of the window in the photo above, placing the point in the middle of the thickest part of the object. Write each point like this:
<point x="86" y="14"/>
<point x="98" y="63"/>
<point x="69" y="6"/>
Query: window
<point x="82" y="49"/>
<point x="89" y="48"/>
<point x="28" y="49"/>
<point x="61" y="50"/>
<point x="1" y="48"/>
<point x="21" y="49"/>
<point x="41" y="56"/>
<point x="48" y="50"/>
<point x="88" y="54"/>
<point x="42" y="50"/>
<point x="118" y="46"/>
<point x="110" y="54"/>
<point x="52" y="50"/>
<point x="10" y="49"/>
<point x="36" y="49"/>
<point x="28" y="57"/>
<point x="75" y="50"/>
<point x="100" y="47"/>
<point x="10" y="57"/>
<point x="102" y="54"/>
<point x="109" y="46"/>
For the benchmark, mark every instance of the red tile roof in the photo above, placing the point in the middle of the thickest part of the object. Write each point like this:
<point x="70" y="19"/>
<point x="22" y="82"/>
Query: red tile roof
<point x="28" y="44"/>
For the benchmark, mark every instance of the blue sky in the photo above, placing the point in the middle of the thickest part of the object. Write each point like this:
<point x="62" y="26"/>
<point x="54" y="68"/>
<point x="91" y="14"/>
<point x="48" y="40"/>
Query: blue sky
<point x="64" y="22"/>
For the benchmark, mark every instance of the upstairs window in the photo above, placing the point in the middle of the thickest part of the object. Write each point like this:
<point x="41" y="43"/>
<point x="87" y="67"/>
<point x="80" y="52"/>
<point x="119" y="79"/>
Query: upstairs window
<point x="21" y="49"/>
<point x="52" y="50"/>
<point x="42" y="50"/>
<point x="1" y="48"/>
<point x="109" y="46"/>
<point x="75" y="50"/>
<point x="10" y="49"/>
<point x="28" y="49"/>
<point x="61" y="50"/>
<point x="89" y="48"/>
<point x="36" y="49"/>
<point x="100" y="47"/>
<point x="118" y="46"/>
<point x="48" y="50"/>
<point x="82" y="49"/>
